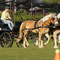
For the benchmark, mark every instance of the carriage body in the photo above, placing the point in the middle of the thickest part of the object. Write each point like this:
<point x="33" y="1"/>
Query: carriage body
<point x="6" y="35"/>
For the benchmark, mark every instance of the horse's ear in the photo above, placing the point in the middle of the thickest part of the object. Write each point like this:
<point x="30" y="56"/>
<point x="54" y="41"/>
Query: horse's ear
<point x="51" y="14"/>
<point x="50" y="17"/>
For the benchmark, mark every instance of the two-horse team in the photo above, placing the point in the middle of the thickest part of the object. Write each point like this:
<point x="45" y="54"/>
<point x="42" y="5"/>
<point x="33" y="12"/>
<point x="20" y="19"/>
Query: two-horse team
<point x="41" y="27"/>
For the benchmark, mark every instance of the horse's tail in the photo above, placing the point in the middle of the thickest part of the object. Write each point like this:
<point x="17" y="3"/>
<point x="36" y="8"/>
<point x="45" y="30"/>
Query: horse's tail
<point x="20" y="33"/>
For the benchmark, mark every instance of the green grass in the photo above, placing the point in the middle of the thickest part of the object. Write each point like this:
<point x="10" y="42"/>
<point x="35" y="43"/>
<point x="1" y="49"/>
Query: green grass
<point x="30" y="53"/>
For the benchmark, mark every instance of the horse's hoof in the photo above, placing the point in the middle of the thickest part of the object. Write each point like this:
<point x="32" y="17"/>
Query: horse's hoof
<point x="17" y="44"/>
<point x="35" y="44"/>
<point x="45" y="44"/>
<point x="24" y="47"/>
<point x="58" y="41"/>
<point x="40" y="46"/>
<point x="55" y="47"/>
<point x="27" y="45"/>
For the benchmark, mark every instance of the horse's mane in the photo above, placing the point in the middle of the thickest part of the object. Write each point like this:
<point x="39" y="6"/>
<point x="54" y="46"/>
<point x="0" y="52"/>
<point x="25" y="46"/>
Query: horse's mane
<point x="46" y="17"/>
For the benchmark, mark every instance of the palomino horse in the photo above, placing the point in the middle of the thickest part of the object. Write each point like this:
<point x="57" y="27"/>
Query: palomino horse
<point x="29" y="26"/>
<point x="56" y="32"/>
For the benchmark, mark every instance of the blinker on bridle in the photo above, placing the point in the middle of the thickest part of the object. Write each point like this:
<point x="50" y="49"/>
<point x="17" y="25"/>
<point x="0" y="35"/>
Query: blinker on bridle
<point x="52" y="19"/>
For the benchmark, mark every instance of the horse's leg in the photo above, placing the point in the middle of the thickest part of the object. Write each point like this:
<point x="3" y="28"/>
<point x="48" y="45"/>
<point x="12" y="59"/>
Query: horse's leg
<point x="20" y="35"/>
<point x="39" y="41"/>
<point x="36" y="42"/>
<point x="48" y="36"/>
<point x="25" y="39"/>
<point x="59" y="38"/>
<point x="27" y="44"/>
<point x="55" y="39"/>
<point x="18" y="39"/>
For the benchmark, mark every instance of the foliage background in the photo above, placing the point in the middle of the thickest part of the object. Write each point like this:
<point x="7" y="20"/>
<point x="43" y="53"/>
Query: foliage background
<point x="52" y="1"/>
<point x="25" y="16"/>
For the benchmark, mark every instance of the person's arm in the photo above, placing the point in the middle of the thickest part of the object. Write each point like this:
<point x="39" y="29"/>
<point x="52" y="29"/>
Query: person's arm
<point x="9" y="16"/>
<point x="4" y="16"/>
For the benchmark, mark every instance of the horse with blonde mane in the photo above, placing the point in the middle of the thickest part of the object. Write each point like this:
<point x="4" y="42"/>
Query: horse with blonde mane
<point x="56" y="32"/>
<point x="29" y="26"/>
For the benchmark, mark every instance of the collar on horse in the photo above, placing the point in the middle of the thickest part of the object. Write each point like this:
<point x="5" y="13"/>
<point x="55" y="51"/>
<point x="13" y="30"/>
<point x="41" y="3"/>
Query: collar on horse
<point x="36" y="23"/>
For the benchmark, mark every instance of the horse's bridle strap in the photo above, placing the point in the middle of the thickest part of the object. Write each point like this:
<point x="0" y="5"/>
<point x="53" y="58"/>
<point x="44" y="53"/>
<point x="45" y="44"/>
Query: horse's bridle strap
<point x="19" y="38"/>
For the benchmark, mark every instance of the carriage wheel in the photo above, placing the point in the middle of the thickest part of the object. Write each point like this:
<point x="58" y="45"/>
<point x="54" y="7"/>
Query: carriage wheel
<point x="6" y="40"/>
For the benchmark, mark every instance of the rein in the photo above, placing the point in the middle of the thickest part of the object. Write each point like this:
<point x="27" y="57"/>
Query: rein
<point x="38" y="27"/>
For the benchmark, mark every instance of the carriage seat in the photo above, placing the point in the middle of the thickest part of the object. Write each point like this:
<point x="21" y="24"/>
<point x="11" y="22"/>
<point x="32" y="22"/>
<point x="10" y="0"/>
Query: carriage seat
<point x="2" y="24"/>
<point x="17" y="26"/>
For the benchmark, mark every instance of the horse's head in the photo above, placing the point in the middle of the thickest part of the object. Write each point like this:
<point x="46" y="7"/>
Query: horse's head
<point x="53" y="15"/>
<point x="58" y="18"/>
<point x="54" y="19"/>
<point x="58" y="15"/>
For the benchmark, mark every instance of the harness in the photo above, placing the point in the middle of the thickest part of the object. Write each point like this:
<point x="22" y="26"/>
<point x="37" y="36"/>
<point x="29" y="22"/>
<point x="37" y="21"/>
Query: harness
<point x="37" y="27"/>
<point x="35" y="23"/>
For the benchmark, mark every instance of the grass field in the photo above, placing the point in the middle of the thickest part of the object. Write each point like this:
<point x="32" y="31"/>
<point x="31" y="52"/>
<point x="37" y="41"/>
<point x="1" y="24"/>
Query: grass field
<point x="30" y="53"/>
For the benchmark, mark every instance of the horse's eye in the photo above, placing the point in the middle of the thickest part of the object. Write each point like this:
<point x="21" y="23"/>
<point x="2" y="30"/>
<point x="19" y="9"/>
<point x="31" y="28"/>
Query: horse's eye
<point x="53" y="19"/>
<point x="51" y="24"/>
<point x="57" y="18"/>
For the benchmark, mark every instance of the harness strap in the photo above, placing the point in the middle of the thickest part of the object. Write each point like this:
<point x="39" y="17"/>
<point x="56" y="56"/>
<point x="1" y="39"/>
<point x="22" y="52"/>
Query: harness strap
<point x="35" y="23"/>
<point x="19" y="38"/>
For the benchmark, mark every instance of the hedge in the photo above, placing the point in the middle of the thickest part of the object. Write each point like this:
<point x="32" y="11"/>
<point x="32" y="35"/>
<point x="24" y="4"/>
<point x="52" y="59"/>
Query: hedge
<point x="20" y="17"/>
<point x="26" y="16"/>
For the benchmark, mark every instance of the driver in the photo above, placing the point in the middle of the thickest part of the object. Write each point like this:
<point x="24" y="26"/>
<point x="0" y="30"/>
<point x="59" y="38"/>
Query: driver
<point x="5" y="17"/>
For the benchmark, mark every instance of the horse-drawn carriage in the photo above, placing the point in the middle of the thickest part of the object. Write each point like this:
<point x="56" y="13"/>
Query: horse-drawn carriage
<point x="42" y="27"/>
<point x="7" y="35"/>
